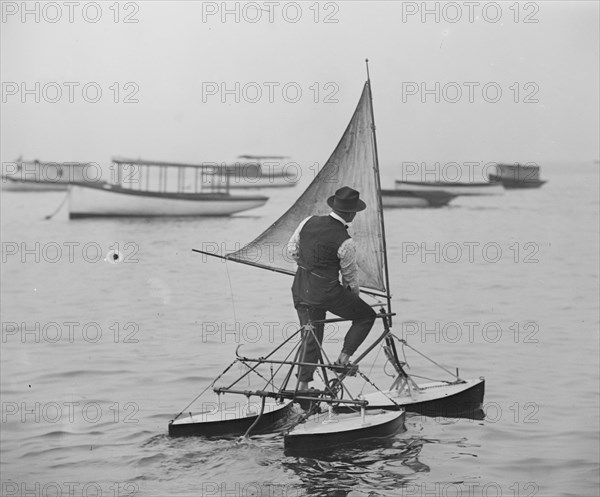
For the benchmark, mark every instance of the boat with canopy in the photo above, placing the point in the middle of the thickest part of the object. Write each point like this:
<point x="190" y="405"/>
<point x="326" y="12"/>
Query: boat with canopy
<point x="142" y="188"/>
<point x="337" y="413"/>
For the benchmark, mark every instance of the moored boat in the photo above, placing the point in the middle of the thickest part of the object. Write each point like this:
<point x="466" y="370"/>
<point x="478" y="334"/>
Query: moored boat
<point x="410" y="198"/>
<point x="517" y="175"/>
<point x="37" y="176"/>
<point x="452" y="188"/>
<point x="263" y="171"/>
<point x="248" y="172"/>
<point x="147" y="189"/>
<point x="106" y="200"/>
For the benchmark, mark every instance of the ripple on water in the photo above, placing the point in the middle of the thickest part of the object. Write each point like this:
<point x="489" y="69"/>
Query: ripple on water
<point x="534" y="434"/>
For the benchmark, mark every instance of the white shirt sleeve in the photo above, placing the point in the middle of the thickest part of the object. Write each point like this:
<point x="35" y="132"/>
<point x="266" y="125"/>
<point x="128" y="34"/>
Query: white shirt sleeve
<point x="293" y="245"/>
<point x="348" y="267"/>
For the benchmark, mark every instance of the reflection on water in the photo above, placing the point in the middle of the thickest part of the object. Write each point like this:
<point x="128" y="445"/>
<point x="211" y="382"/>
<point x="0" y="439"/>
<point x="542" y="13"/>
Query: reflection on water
<point x="386" y="466"/>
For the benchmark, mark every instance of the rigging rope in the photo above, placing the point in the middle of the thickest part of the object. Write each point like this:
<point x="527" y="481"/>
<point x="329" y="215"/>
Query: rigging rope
<point x="430" y="379"/>
<point x="371" y="369"/>
<point x="231" y="292"/>
<point x="377" y="388"/>
<point x="249" y="368"/>
<point x="404" y="342"/>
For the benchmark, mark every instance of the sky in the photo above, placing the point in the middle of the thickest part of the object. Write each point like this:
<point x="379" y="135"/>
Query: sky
<point x="207" y="81"/>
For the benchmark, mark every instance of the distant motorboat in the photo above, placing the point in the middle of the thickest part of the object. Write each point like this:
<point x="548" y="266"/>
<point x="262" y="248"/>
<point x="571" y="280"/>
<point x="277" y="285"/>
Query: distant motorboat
<point x="37" y="176"/>
<point x="453" y="187"/>
<point x="263" y="171"/>
<point x="517" y="175"/>
<point x="249" y="172"/>
<point x="409" y="198"/>
<point x="141" y="188"/>
<point x="19" y="185"/>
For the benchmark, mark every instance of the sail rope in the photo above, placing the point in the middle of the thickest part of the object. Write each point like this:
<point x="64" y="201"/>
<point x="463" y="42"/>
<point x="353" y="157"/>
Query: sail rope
<point x="268" y="381"/>
<point x="377" y="388"/>
<point x="371" y="369"/>
<point x="231" y="292"/>
<point x="427" y="378"/>
<point x="280" y="367"/>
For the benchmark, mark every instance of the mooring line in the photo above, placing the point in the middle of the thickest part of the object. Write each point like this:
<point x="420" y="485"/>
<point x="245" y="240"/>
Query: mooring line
<point x="50" y="216"/>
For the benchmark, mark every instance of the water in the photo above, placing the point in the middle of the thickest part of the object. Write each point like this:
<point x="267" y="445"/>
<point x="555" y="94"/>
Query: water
<point x="120" y="348"/>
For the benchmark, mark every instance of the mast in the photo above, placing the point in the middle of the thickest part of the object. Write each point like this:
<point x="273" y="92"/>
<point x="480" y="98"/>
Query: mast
<point x="379" y="201"/>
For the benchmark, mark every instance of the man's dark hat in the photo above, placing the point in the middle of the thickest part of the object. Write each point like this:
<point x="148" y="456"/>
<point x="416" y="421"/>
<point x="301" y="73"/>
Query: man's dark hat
<point x="346" y="200"/>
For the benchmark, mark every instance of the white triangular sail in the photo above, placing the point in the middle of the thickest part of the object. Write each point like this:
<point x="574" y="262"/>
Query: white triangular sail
<point x="354" y="164"/>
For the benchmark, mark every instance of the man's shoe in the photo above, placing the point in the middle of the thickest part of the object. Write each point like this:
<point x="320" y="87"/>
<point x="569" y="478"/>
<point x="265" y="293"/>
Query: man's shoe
<point x="306" y="404"/>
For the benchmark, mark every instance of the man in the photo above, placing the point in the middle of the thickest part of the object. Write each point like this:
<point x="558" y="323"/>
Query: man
<point x="323" y="249"/>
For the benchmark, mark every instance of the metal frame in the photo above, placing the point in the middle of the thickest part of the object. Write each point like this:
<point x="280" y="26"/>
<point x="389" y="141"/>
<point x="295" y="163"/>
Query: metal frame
<point x="329" y="394"/>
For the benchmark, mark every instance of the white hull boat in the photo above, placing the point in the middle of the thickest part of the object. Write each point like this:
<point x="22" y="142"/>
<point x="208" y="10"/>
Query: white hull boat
<point x="452" y="188"/>
<point x="108" y="200"/>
